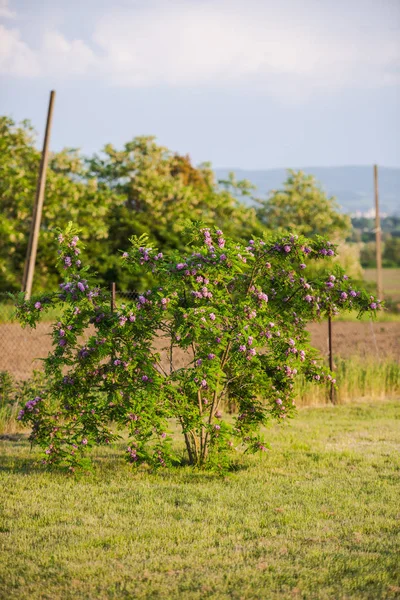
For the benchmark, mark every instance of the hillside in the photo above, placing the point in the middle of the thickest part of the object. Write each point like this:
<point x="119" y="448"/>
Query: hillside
<point x="352" y="186"/>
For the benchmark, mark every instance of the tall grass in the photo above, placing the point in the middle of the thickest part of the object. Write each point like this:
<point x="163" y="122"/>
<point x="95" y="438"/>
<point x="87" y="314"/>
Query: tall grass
<point x="356" y="378"/>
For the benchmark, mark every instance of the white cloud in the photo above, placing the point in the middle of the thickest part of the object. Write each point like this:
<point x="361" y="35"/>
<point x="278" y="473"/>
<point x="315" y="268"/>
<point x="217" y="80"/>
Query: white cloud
<point x="285" y="48"/>
<point x="5" y="12"/>
<point x="16" y="58"/>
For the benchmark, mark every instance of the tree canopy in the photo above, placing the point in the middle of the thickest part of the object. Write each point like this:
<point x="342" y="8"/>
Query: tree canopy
<point x="141" y="188"/>
<point x="303" y="207"/>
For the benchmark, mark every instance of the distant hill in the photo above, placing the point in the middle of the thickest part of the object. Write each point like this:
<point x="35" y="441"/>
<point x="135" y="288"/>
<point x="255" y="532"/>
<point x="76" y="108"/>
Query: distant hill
<point x="353" y="187"/>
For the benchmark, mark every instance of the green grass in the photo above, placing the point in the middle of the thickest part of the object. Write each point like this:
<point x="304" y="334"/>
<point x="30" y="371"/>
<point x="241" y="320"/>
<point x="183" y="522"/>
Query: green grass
<point x="316" y="518"/>
<point x="390" y="281"/>
<point x="383" y="316"/>
<point x="356" y="377"/>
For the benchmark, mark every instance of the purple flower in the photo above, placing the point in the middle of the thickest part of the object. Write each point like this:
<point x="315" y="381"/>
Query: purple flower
<point x="145" y="378"/>
<point x="330" y="284"/>
<point x="67" y="261"/>
<point x="330" y="253"/>
<point x="252" y="352"/>
<point x="84" y="441"/>
<point x="308" y="298"/>
<point x="218" y="340"/>
<point x="125" y="255"/>
<point x="62" y="342"/>
<point x="242" y="348"/>
<point x="302" y="266"/>
<point x="222" y="257"/>
<point x="164" y="301"/>
<point x="199" y="362"/>
<point x="81" y="286"/>
<point x="250" y="340"/>
<point x="307" y="250"/>
<point x="373" y="305"/>
<point x="180" y="266"/>
<point x="211" y="356"/>
<point x="60" y="238"/>
<point x="212" y="316"/>
<point x="217" y="427"/>
<point x="353" y="294"/>
<point x="263" y="297"/>
<point x="287" y="248"/>
<point x="343" y="296"/>
<point x="203" y="383"/>
<point x="38" y="305"/>
<point x="61" y="332"/>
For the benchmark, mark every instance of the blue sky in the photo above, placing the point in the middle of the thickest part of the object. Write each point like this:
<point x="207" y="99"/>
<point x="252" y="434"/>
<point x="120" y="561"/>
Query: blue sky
<point x="241" y="83"/>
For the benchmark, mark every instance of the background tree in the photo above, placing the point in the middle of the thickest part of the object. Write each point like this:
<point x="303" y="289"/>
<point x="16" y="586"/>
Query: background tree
<point x="159" y="191"/>
<point x="71" y="193"/>
<point x="303" y="207"/>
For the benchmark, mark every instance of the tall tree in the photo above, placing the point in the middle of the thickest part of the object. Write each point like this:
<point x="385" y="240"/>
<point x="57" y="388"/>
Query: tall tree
<point x="303" y="207"/>
<point x="160" y="191"/>
<point x="71" y="194"/>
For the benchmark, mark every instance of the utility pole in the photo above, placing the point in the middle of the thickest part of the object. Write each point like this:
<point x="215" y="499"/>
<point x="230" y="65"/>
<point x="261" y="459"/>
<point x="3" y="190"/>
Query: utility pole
<point x="378" y="237"/>
<point x="332" y="388"/>
<point x="30" y="260"/>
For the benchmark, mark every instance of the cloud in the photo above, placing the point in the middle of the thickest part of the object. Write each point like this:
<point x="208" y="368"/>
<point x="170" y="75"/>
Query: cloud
<point x="16" y="58"/>
<point x="5" y="12"/>
<point x="285" y="48"/>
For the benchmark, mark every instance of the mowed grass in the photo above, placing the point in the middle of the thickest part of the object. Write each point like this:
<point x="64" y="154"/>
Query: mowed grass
<point x="316" y="517"/>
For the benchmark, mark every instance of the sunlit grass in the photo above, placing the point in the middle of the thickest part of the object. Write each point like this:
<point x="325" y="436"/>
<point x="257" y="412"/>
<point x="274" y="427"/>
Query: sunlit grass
<point x="317" y="516"/>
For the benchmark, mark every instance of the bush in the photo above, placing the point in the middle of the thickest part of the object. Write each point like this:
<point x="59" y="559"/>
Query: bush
<point x="240" y="312"/>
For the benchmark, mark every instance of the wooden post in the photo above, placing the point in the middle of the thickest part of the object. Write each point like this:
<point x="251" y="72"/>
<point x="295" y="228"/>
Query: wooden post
<point x="332" y="388"/>
<point x="112" y="296"/>
<point x="378" y="237"/>
<point x="30" y="261"/>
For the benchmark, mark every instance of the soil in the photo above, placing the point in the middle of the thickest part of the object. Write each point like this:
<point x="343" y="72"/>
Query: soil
<point x="22" y="349"/>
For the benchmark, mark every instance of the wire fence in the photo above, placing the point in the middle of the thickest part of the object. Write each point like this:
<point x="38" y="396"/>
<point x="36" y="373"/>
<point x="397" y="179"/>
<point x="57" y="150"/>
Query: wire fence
<point x="22" y="350"/>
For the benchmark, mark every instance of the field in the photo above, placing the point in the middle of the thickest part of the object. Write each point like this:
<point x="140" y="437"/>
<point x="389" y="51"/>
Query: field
<point x="316" y="517"/>
<point x="21" y="349"/>
<point x="390" y="280"/>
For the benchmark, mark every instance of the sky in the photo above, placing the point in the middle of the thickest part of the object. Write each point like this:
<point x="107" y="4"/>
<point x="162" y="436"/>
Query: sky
<point x="252" y="84"/>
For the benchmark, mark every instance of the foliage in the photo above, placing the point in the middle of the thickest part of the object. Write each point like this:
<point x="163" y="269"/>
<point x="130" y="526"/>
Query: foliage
<point x="391" y="252"/>
<point x="14" y="393"/>
<point x="143" y="188"/>
<point x="160" y="190"/>
<point x="70" y="194"/>
<point x="239" y="311"/>
<point x="303" y="207"/>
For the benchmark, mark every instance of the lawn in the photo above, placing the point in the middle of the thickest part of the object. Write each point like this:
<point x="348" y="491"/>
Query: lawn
<point x="317" y="516"/>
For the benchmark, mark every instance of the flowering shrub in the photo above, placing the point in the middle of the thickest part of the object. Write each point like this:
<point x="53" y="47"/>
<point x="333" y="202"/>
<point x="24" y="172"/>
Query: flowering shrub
<point x="240" y="313"/>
